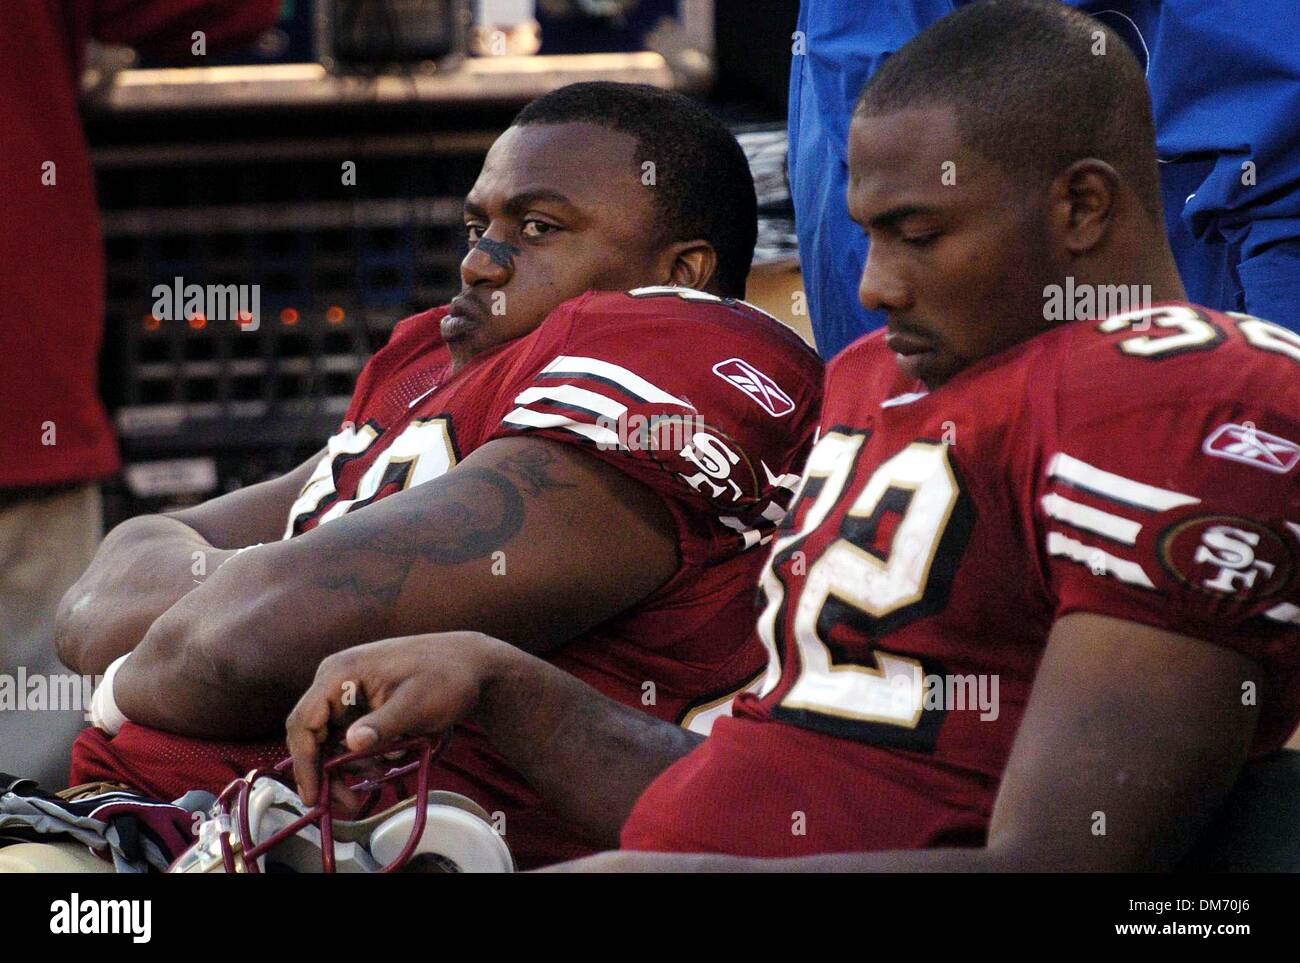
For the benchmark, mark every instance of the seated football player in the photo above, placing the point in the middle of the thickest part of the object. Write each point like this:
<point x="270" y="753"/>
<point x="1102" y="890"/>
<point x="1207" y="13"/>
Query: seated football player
<point x="1036" y="604"/>
<point x="580" y="453"/>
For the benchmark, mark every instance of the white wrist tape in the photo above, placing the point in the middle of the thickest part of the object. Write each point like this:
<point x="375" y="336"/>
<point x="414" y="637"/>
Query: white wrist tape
<point x="104" y="713"/>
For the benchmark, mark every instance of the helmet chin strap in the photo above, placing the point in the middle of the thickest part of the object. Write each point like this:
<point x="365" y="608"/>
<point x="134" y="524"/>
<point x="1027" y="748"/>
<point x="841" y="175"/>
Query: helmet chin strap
<point x="260" y="822"/>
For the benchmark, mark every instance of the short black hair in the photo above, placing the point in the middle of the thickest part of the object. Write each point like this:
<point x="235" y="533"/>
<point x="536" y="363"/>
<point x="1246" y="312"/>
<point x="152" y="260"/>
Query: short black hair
<point x="1036" y="85"/>
<point x="703" y="185"/>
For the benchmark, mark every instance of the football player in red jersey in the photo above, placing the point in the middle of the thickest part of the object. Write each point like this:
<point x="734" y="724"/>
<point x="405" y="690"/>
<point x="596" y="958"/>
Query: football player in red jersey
<point x="1036" y="604"/>
<point x="551" y="458"/>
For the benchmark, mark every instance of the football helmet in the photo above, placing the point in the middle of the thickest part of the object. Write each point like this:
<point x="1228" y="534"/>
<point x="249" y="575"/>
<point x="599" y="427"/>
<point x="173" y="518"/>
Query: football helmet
<point x="259" y="824"/>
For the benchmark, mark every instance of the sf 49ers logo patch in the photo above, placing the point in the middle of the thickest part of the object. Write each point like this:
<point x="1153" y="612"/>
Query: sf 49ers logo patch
<point x="1228" y="555"/>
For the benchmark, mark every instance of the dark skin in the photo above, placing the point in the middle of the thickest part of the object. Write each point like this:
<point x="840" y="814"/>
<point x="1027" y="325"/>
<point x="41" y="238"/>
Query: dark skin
<point x="1155" y="761"/>
<point x="557" y="210"/>
<point x="960" y="269"/>
<point x="1111" y="724"/>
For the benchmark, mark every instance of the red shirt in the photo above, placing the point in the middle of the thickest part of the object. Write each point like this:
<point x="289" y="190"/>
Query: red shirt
<point x="598" y="368"/>
<point x="53" y="426"/>
<point x="1148" y="472"/>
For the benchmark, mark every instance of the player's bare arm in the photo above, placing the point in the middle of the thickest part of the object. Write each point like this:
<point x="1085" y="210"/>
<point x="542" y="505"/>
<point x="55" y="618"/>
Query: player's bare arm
<point x="503" y="542"/>
<point x="589" y="757"/>
<point x="1132" y="738"/>
<point x="146" y="564"/>
<point x="596" y="239"/>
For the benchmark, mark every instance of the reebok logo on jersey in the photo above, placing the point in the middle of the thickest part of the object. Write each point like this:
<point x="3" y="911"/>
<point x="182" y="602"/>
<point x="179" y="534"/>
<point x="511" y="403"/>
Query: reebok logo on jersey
<point x="1250" y="446"/>
<point x="757" y="385"/>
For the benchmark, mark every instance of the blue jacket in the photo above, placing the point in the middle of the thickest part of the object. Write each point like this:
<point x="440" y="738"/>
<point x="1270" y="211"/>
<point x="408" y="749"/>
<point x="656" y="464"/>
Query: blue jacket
<point x="1225" y="86"/>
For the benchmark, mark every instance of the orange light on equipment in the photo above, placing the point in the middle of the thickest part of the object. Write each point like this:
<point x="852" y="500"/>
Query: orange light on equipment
<point x="289" y="316"/>
<point x="152" y="322"/>
<point x="198" y="322"/>
<point x="334" y="314"/>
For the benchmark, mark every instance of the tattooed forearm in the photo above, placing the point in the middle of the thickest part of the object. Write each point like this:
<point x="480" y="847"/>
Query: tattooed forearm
<point x="454" y="524"/>
<point x="463" y="517"/>
<point x="533" y="469"/>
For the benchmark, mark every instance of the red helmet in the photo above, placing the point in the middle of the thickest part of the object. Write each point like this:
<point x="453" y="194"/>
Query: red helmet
<point x="260" y="824"/>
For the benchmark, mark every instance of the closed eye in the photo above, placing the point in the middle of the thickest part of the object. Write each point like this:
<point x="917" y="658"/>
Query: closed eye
<point x="920" y="240"/>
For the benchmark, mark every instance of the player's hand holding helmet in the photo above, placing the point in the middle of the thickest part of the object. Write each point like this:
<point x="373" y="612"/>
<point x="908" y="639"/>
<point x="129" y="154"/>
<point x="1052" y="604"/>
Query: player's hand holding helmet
<point x="260" y="824"/>
<point x="391" y="696"/>
<point x="419" y="685"/>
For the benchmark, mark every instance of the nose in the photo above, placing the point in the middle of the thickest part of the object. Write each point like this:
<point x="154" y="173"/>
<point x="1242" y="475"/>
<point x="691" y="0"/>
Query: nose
<point x="881" y="287"/>
<point x="481" y="267"/>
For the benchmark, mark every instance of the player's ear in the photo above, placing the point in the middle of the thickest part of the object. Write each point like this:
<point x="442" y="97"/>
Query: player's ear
<point x="1084" y="198"/>
<point x="690" y="264"/>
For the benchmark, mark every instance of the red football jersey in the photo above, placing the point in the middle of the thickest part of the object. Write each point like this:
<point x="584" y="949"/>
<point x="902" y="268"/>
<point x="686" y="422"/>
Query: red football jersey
<point x="1144" y="467"/>
<point x="710" y="403"/>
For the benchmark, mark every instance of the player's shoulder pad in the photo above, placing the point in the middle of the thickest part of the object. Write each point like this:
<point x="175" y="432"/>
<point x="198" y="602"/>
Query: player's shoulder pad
<point x="1174" y="353"/>
<point x="685" y="308"/>
<point x="682" y="339"/>
<point x="1175" y="462"/>
<point x="708" y="402"/>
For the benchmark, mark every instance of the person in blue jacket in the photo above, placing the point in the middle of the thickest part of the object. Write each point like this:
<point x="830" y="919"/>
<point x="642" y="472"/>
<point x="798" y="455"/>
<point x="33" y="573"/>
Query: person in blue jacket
<point x="1225" y="86"/>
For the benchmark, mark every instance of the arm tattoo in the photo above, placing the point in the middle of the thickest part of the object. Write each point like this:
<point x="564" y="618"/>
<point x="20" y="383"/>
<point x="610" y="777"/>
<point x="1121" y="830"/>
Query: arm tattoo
<point x="531" y="467"/>
<point x="452" y="525"/>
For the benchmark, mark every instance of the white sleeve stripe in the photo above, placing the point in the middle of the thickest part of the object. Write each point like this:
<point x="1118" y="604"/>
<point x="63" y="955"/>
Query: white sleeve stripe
<point x="1286" y="612"/>
<point x="1064" y="546"/>
<point x="1116" y="487"/>
<point x="572" y="396"/>
<point x="1091" y="519"/>
<point x="750" y="536"/>
<point x="527" y="418"/>
<point x="571" y="366"/>
<point x="905" y="399"/>
<point x="788" y="481"/>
